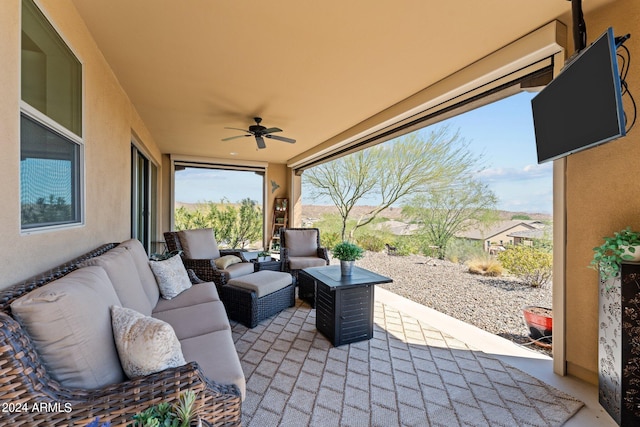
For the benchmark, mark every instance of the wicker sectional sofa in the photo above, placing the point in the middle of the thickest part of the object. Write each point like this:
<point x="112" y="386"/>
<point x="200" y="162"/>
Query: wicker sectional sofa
<point x="33" y="392"/>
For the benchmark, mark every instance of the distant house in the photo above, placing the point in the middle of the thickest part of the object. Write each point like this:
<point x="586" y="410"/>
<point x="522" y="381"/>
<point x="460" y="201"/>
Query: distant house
<point x="501" y="233"/>
<point x="527" y="237"/>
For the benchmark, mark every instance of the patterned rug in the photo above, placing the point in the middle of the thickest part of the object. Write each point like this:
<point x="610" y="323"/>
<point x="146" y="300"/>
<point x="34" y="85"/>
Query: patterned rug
<point x="409" y="374"/>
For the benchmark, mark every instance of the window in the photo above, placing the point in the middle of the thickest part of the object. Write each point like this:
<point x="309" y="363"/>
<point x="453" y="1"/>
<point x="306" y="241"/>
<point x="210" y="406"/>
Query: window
<point x="51" y="146"/>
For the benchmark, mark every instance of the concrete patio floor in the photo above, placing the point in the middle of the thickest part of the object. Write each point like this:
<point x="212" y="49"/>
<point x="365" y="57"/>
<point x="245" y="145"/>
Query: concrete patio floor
<point x="296" y="377"/>
<point x="529" y="361"/>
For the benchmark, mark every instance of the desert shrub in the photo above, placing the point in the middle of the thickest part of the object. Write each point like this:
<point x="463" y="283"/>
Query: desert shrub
<point x="486" y="266"/>
<point x="371" y="242"/>
<point x="529" y="264"/>
<point x="328" y="239"/>
<point x="406" y="245"/>
<point x="236" y="225"/>
<point x="464" y="250"/>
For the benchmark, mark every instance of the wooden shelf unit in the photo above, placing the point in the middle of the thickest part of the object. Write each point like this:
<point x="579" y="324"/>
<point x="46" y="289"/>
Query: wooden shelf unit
<point x="279" y="220"/>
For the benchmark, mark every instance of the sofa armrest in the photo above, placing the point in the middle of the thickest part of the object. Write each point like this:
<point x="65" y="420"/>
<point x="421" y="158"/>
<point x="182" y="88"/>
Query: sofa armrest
<point x="194" y="277"/>
<point x="206" y="270"/>
<point x="324" y="254"/>
<point x="24" y="381"/>
<point x="235" y="252"/>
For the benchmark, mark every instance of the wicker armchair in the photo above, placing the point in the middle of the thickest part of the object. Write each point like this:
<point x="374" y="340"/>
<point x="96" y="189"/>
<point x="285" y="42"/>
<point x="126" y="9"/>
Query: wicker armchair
<point x="300" y="248"/>
<point x="205" y="268"/>
<point x="25" y="381"/>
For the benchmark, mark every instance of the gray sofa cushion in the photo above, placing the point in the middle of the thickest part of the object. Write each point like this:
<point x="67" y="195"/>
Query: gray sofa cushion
<point x="141" y="260"/>
<point x="122" y="271"/>
<point x="196" y="294"/>
<point x="216" y="354"/>
<point x="199" y="244"/>
<point x="199" y="319"/>
<point x="70" y="324"/>
<point x="263" y="282"/>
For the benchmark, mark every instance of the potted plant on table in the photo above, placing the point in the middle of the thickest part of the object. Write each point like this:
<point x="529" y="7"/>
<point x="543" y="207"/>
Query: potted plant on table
<point x="347" y="253"/>
<point x="264" y="256"/>
<point x="624" y="245"/>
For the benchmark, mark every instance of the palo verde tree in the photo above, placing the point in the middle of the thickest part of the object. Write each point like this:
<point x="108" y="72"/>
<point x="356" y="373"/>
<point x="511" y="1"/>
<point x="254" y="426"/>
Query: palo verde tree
<point x="443" y="212"/>
<point x="387" y="173"/>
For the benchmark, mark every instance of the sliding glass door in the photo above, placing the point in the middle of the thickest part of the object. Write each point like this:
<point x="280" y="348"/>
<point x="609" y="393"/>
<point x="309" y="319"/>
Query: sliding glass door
<point x="143" y="200"/>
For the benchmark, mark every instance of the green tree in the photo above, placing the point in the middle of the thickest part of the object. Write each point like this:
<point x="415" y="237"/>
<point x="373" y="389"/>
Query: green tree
<point x="388" y="173"/>
<point x="442" y="213"/>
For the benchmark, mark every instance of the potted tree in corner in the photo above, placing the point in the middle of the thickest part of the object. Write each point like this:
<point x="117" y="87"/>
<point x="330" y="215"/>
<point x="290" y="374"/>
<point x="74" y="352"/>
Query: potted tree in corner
<point x="616" y="261"/>
<point x="347" y="253"/>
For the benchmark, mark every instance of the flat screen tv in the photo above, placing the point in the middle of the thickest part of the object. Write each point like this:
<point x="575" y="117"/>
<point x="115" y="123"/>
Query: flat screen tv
<point x="582" y="106"/>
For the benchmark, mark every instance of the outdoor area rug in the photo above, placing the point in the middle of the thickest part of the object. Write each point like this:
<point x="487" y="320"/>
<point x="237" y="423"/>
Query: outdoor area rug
<point x="408" y="374"/>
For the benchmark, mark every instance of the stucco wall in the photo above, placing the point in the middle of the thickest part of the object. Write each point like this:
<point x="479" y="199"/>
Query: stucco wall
<point x="109" y="121"/>
<point x="602" y="197"/>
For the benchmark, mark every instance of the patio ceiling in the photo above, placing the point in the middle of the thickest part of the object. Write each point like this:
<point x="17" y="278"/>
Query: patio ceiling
<point x="314" y="69"/>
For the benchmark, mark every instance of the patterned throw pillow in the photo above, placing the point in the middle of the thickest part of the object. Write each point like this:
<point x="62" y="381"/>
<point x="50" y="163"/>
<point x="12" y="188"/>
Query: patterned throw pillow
<point x="145" y="345"/>
<point x="171" y="276"/>
<point x="225" y="261"/>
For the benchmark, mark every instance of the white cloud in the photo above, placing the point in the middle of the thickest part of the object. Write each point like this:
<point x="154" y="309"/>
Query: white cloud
<point x="528" y="172"/>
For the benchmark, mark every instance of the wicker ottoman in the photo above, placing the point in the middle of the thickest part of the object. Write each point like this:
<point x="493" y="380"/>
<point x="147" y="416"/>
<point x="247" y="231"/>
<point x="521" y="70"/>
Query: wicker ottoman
<point x="254" y="297"/>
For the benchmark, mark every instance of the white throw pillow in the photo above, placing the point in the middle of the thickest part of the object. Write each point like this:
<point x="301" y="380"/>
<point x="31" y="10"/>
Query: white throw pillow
<point x="171" y="276"/>
<point x="225" y="261"/>
<point x="145" y="345"/>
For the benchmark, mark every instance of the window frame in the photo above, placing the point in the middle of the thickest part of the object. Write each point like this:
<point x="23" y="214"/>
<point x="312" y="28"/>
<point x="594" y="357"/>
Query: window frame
<point x="53" y="126"/>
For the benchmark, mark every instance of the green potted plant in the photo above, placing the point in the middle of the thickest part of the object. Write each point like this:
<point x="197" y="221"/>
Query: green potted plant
<point x="183" y="413"/>
<point x="264" y="256"/>
<point x="624" y="245"/>
<point x="347" y="253"/>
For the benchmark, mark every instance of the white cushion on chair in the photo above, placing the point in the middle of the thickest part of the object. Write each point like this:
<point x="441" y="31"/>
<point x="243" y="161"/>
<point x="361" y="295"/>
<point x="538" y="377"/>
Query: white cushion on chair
<point x="199" y="244"/>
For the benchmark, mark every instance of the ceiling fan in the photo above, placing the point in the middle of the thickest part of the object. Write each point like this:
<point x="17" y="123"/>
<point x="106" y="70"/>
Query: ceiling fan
<point x="259" y="131"/>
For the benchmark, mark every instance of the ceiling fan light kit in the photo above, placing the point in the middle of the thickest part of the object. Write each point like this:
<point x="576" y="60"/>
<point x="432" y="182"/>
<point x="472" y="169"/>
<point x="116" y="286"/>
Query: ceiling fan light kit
<point x="260" y="132"/>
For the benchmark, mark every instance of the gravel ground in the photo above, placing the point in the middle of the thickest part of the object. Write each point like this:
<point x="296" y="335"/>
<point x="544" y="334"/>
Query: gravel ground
<point x="490" y="303"/>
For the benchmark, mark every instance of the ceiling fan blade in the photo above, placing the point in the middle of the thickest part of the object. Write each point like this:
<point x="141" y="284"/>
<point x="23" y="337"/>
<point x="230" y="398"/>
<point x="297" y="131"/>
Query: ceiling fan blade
<point x="260" y="142"/>
<point x="271" y="130"/>
<point x="241" y="130"/>
<point x="281" y="138"/>
<point x="234" y="137"/>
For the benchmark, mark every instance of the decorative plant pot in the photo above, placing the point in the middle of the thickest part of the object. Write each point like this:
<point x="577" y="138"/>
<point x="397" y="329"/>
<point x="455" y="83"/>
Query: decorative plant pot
<point x="346" y="267"/>
<point x="264" y="258"/>
<point x="635" y="256"/>
<point x="618" y="343"/>
<point x="539" y="321"/>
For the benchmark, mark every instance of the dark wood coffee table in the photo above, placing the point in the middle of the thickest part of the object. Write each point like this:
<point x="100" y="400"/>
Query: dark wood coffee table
<point x="344" y="305"/>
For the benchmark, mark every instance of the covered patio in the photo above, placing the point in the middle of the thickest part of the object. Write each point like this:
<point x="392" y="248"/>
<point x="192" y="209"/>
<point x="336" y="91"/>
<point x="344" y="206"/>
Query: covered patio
<point x="159" y="84"/>
<point x="421" y="368"/>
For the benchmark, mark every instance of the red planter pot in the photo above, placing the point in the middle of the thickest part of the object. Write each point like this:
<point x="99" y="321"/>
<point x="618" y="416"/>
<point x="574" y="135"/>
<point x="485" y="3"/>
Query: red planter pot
<point x="539" y="321"/>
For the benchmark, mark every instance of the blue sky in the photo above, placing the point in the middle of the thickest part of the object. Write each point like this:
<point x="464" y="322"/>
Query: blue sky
<point x="501" y="132"/>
